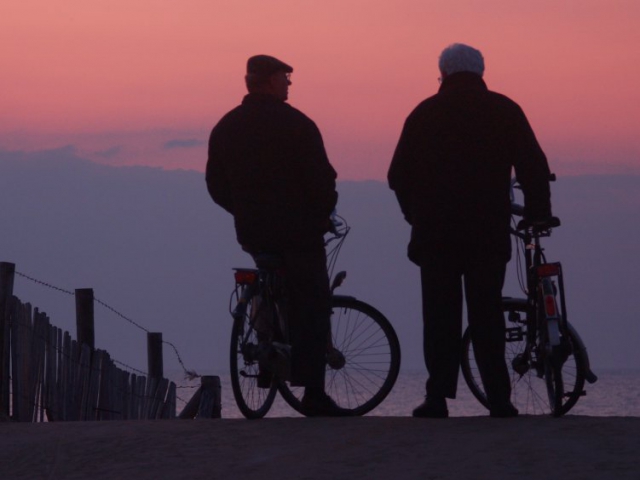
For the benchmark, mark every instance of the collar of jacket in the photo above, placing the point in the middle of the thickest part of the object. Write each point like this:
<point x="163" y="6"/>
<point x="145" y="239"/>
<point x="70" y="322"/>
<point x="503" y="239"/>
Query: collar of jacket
<point x="260" y="98"/>
<point x="462" y="80"/>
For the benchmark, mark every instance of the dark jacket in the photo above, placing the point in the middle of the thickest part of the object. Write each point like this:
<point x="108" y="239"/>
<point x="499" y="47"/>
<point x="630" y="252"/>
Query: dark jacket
<point x="452" y="167"/>
<point x="268" y="167"/>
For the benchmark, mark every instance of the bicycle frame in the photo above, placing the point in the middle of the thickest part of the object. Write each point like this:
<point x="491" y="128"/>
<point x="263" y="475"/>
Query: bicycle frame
<point x="546" y="305"/>
<point x="261" y="283"/>
<point x="545" y="288"/>
<point x="540" y="342"/>
<point x="362" y="356"/>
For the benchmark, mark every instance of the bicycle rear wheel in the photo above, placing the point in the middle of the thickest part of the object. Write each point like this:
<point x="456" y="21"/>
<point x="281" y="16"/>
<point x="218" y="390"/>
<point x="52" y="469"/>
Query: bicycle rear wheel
<point x="530" y="392"/>
<point x="360" y="379"/>
<point x="253" y="400"/>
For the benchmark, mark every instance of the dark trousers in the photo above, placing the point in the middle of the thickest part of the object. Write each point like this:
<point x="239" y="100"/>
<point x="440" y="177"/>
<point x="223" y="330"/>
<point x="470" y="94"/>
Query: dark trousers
<point x="442" y="295"/>
<point x="309" y="313"/>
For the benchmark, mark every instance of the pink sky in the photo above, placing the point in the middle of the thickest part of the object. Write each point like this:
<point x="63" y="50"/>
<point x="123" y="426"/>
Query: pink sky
<point x="120" y="79"/>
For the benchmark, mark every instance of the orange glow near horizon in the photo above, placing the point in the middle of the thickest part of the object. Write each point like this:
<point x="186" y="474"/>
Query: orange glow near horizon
<point x="118" y="80"/>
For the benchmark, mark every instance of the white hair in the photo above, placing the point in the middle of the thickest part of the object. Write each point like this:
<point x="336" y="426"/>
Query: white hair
<point x="459" y="57"/>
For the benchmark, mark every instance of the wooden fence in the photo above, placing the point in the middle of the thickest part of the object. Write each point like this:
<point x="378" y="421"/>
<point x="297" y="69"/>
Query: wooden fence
<point x="45" y="375"/>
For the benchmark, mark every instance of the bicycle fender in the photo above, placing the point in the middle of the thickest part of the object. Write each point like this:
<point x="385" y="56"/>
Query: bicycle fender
<point x="346" y="297"/>
<point x="588" y="374"/>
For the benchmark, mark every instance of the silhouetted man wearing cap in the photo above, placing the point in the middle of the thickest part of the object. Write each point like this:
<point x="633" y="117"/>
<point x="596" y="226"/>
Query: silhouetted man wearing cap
<point x="451" y="174"/>
<point x="268" y="167"/>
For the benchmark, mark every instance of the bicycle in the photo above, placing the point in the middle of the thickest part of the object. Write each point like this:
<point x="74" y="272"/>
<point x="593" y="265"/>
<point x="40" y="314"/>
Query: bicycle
<point x="547" y="359"/>
<point x="363" y="353"/>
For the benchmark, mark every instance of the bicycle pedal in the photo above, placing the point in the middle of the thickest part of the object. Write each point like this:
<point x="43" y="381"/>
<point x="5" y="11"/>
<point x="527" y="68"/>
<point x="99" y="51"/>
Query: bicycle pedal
<point x="573" y="393"/>
<point x="514" y="334"/>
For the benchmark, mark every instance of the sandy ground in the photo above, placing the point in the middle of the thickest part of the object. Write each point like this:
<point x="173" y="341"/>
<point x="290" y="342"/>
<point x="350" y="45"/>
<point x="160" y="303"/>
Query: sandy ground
<point x="568" y="448"/>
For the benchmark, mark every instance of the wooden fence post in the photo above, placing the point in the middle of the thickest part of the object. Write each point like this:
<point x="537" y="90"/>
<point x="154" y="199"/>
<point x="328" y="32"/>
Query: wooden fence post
<point x="84" y="317"/>
<point x="205" y="403"/>
<point x="190" y="410"/>
<point x="154" y="355"/>
<point x="210" y="399"/>
<point x="7" y="272"/>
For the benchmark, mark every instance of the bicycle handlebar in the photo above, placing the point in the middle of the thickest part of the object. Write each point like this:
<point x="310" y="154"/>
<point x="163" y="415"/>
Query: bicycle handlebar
<point x="337" y="225"/>
<point x="517" y="209"/>
<point x="535" y="226"/>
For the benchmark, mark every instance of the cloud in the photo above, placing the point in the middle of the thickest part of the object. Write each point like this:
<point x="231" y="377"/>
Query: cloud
<point x="110" y="152"/>
<point x="183" y="143"/>
<point x="61" y="154"/>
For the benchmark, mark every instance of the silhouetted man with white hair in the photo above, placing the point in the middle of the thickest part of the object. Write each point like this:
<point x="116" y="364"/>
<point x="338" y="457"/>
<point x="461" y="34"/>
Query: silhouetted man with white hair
<point x="451" y="175"/>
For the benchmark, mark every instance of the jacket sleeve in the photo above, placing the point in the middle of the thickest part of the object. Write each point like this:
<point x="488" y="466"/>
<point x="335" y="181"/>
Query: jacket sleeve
<point x="321" y="176"/>
<point x="532" y="171"/>
<point x="399" y="174"/>
<point x="216" y="176"/>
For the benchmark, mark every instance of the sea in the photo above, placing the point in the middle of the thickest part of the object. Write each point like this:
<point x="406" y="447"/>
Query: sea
<point x="615" y="394"/>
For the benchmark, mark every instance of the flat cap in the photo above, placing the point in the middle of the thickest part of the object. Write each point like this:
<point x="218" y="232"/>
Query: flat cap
<point x="266" y="65"/>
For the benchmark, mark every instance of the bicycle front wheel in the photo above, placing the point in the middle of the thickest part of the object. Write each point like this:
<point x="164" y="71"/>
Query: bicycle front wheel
<point x="531" y="380"/>
<point x="364" y="361"/>
<point x="554" y="381"/>
<point x="253" y="390"/>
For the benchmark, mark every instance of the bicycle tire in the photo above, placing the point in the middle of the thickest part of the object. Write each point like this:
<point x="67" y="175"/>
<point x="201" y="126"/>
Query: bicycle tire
<point x="253" y="401"/>
<point x="551" y="356"/>
<point x="529" y="392"/>
<point x="554" y="382"/>
<point x="372" y="353"/>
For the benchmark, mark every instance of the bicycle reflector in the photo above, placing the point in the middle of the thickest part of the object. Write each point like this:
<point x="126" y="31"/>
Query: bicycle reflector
<point x="550" y="306"/>
<point x="549" y="299"/>
<point x="245" y="277"/>
<point x="548" y="270"/>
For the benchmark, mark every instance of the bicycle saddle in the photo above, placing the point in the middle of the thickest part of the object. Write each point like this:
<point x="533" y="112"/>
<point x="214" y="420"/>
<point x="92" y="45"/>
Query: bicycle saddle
<point x="511" y="303"/>
<point x="268" y="261"/>
<point x="539" y="225"/>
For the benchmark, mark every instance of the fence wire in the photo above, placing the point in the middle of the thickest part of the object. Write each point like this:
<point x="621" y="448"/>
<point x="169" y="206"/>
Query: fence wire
<point x="39" y="398"/>
<point x="190" y="374"/>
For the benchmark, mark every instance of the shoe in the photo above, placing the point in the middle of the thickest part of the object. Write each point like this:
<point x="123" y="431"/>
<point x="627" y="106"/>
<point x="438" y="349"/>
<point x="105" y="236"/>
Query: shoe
<point x="322" y="405"/>
<point x="506" y="410"/>
<point x="434" y="407"/>
<point x="265" y="378"/>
